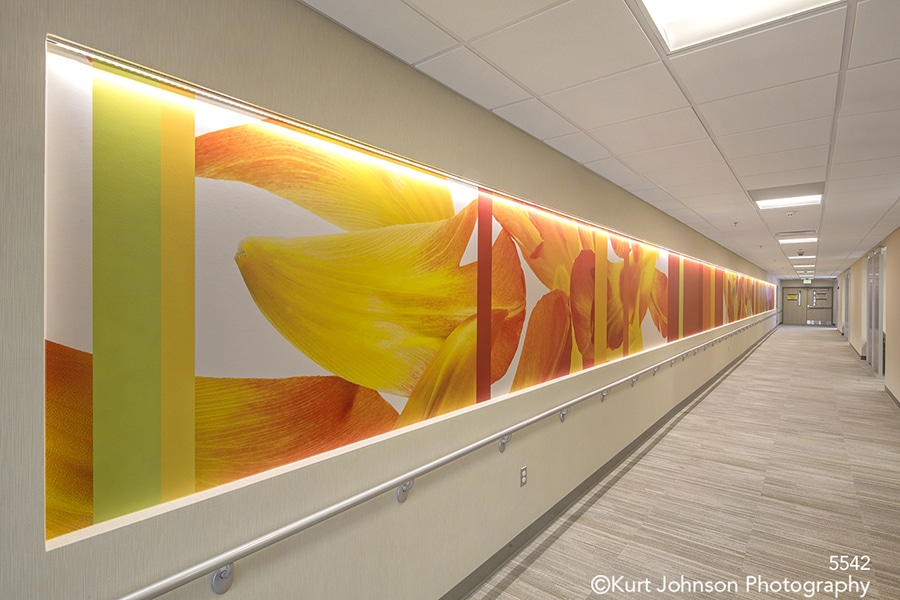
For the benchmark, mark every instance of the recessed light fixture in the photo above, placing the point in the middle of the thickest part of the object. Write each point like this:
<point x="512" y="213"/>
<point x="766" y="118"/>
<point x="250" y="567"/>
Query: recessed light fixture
<point x="683" y="23"/>
<point x="801" y="257"/>
<point x="789" y="202"/>
<point x="804" y="266"/>
<point x="805" y="240"/>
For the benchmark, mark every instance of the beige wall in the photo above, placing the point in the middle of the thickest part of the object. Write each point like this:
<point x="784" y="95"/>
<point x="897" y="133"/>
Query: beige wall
<point x="891" y="283"/>
<point x="280" y="55"/>
<point x="839" y="304"/>
<point x="858" y="307"/>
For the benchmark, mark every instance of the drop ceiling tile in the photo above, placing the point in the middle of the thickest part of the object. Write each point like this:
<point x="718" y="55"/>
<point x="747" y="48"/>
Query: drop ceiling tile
<point x="536" y="118"/>
<point x="467" y="74"/>
<point x="777" y="162"/>
<point x="691" y="174"/>
<point x="579" y="147"/>
<point x="864" y="137"/>
<point x="872" y="89"/>
<point x="694" y="153"/>
<point x="886" y="183"/>
<point x="796" y="219"/>
<point x="865" y="168"/>
<point x="797" y="50"/>
<point x="703" y="188"/>
<point x="470" y="18"/>
<point x="575" y="42"/>
<point x="389" y="24"/>
<point x="848" y="200"/>
<point x="797" y="177"/>
<point x="775" y="106"/>
<point x="875" y="36"/>
<point x="657" y="197"/>
<point x="614" y="171"/>
<point x="728" y="211"/>
<point x="726" y="199"/>
<point x="636" y="93"/>
<point x="858" y="213"/>
<point x="656" y="131"/>
<point x="640" y="185"/>
<point x="682" y="214"/>
<point x="804" y="134"/>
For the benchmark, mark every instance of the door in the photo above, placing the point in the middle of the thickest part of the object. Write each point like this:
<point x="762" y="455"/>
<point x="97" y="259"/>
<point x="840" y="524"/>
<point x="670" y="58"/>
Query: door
<point x="808" y="306"/>
<point x="794" y="306"/>
<point x="818" y="307"/>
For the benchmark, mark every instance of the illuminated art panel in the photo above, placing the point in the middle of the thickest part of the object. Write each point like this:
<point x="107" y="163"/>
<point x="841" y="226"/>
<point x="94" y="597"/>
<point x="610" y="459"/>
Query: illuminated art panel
<point x="227" y="292"/>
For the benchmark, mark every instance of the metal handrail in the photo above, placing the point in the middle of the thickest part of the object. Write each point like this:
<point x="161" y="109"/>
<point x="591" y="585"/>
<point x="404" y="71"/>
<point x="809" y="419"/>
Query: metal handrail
<point x="220" y="566"/>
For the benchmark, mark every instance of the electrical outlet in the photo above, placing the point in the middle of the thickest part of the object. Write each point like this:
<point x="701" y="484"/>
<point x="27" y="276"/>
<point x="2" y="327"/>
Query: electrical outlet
<point x="523" y="476"/>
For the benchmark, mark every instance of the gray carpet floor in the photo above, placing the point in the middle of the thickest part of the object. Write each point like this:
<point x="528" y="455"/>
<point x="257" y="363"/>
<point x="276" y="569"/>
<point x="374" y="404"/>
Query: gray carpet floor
<point x="756" y="490"/>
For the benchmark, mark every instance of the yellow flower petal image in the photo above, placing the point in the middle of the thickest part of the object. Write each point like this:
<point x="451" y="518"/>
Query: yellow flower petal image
<point x="550" y="244"/>
<point x="547" y="350"/>
<point x="69" y="453"/>
<point x="246" y="426"/>
<point x="373" y="307"/>
<point x="346" y="188"/>
<point x="449" y="381"/>
<point x="635" y="286"/>
<point x="659" y="303"/>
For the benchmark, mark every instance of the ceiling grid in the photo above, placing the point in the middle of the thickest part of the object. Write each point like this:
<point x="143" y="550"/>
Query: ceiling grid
<point x="808" y="99"/>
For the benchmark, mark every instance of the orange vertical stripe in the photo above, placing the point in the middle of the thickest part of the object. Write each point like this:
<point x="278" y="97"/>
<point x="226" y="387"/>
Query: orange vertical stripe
<point x="601" y="301"/>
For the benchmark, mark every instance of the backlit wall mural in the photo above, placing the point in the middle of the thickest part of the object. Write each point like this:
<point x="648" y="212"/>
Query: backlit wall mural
<point x="227" y="293"/>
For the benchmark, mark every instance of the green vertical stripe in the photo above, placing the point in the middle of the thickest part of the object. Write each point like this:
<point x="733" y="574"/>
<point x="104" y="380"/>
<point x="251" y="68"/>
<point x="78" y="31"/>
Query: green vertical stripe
<point x="126" y="294"/>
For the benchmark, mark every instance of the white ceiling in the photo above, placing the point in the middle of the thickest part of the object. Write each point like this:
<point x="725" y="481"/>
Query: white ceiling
<point x="813" y="98"/>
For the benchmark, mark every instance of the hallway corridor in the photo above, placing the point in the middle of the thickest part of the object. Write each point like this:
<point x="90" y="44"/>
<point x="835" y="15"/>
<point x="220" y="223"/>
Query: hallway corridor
<point x="792" y="459"/>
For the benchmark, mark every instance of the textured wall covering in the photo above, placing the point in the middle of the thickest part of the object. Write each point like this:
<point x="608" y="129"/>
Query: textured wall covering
<point x="278" y="54"/>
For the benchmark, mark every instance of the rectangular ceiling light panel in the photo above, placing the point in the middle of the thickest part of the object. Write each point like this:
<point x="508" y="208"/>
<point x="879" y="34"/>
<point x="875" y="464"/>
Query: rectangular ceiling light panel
<point x="684" y="23"/>
<point x="789" y="202"/>
<point x="806" y="240"/>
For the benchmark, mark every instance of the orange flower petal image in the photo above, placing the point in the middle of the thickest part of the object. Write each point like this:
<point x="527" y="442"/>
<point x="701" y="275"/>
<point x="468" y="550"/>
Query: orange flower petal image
<point x="615" y="309"/>
<point x="508" y="295"/>
<point x="69" y="437"/>
<point x="547" y="350"/>
<point x="621" y="247"/>
<point x="373" y="307"/>
<point x="582" y="304"/>
<point x="550" y="244"/>
<point x="246" y="426"/>
<point x="346" y="188"/>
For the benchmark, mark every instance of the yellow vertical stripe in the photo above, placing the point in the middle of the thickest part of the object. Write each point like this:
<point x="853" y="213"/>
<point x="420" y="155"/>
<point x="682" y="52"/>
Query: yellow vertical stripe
<point x="177" y="319"/>
<point x="126" y="295"/>
<point x="711" y="317"/>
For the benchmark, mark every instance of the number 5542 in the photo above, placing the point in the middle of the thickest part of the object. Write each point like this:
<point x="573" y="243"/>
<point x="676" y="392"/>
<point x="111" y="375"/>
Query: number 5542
<point x="847" y="563"/>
